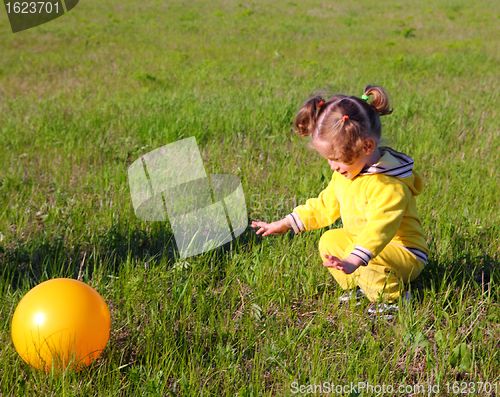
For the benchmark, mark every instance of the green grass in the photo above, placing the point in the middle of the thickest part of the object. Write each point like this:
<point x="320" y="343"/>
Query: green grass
<point x="84" y="96"/>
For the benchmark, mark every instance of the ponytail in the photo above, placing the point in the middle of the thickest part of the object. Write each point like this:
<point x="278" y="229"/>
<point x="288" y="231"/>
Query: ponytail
<point x="380" y="99"/>
<point x="307" y="117"/>
<point x="344" y="121"/>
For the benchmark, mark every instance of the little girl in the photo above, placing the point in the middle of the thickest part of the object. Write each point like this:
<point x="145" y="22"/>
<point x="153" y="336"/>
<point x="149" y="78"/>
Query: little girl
<point x="381" y="245"/>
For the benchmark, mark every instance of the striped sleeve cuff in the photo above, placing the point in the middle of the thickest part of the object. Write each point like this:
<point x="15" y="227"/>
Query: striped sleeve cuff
<point x="296" y="223"/>
<point x="421" y="255"/>
<point x="362" y="253"/>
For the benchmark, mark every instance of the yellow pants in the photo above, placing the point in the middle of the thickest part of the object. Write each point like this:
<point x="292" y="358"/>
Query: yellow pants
<point x="385" y="274"/>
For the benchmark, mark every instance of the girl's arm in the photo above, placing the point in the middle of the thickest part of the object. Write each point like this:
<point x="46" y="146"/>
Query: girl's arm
<point x="314" y="214"/>
<point x="319" y="212"/>
<point x="278" y="227"/>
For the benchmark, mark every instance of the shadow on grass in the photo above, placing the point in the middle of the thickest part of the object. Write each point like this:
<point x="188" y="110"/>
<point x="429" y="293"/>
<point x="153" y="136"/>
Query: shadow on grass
<point x="463" y="269"/>
<point x="27" y="264"/>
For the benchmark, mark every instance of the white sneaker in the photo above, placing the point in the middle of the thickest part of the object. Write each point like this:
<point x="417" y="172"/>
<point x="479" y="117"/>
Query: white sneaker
<point x="384" y="311"/>
<point x="353" y="294"/>
<point x="387" y="311"/>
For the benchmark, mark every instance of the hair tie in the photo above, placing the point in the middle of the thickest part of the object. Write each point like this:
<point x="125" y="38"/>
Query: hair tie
<point x="345" y="118"/>
<point x="364" y="97"/>
<point x="320" y="103"/>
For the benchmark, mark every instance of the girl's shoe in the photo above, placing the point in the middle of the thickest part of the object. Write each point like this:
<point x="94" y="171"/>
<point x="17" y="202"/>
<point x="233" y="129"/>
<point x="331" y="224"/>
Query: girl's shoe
<point x="352" y="295"/>
<point x="387" y="311"/>
<point x="382" y="311"/>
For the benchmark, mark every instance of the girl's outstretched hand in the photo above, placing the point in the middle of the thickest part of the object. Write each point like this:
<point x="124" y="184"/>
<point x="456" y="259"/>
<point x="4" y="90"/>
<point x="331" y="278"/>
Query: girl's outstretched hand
<point x="342" y="265"/>
<point x="274" y="228"/>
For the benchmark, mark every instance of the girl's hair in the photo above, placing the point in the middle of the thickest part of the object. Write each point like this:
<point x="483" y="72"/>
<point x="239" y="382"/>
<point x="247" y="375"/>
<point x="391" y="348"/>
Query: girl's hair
<point x="326" y="121"/>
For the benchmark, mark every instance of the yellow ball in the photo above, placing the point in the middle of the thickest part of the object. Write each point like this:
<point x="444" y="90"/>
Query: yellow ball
<point x="61" y="322"/>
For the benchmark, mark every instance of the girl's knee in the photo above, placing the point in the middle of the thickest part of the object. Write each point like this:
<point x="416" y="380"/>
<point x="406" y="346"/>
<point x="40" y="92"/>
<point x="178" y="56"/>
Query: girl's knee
<point x="333" y="242"/>
<point x="329" y="245"/>
<point x="325" y="241"/>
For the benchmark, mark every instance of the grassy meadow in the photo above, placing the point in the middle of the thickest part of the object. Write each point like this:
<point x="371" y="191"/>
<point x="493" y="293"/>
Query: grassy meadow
<point x="85" y="95"/>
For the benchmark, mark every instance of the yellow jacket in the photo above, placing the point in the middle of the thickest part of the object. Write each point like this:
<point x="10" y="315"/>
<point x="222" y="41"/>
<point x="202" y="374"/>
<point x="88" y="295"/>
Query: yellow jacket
<point x="377" y="207"/>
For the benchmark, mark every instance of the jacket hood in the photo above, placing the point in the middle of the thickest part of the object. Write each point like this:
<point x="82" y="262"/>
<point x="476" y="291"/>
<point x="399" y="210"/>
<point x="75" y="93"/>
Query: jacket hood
<point x="398" y="165"/>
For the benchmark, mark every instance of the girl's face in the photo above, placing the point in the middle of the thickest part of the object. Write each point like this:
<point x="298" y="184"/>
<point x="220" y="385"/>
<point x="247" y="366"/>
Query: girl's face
<point x="347" y="170"/>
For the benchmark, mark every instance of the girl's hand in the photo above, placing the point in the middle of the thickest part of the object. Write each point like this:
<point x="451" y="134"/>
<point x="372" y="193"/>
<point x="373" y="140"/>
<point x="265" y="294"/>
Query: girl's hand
<point x="342" y="265"/>
<point x="274" y="228"/>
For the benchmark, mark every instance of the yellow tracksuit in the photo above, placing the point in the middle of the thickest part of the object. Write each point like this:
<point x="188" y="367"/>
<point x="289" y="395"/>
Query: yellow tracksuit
<point x="380" y="225"/>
